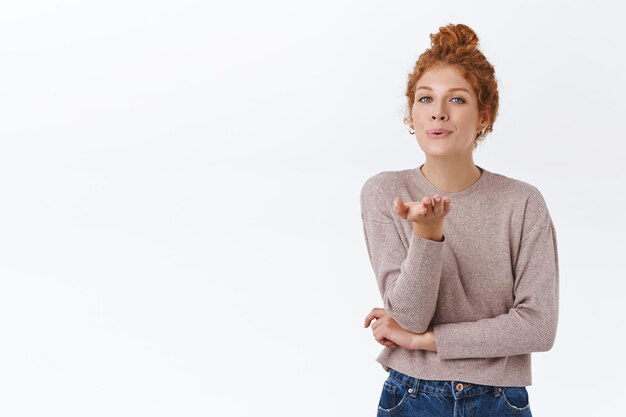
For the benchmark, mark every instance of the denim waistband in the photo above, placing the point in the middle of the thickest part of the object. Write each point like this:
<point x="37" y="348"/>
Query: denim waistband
<point x="452" y="388"/>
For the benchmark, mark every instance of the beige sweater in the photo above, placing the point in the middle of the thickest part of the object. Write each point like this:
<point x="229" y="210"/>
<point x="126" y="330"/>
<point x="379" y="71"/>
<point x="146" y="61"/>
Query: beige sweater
<point x="490" y="289"/>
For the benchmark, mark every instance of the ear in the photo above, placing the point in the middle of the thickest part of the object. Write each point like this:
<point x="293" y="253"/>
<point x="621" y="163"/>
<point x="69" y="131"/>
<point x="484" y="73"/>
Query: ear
<point x="484" y="118"/>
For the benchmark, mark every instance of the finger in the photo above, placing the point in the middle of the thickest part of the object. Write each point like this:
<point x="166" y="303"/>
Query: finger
<point x="438" y="209"/>
<point x="374" y="314"/>
<point x="379" y="312"/>
<point x="380" y="338"/>
<point x="404" y="208"/>
<point x="446" y="205"/>
<point x="384" y="341"/>
<point x="389" y="343"/>
<point x="400" y="207"/>
<point x="414" y="207"/>
<point x="375" y="325"/>
<point x="426" y="205"/>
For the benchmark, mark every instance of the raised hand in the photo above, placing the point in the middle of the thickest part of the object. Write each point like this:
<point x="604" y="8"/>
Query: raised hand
<point x="426" y="215"/>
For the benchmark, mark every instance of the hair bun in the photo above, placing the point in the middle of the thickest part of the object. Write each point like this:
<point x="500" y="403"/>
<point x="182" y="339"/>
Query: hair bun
<point x="454" y="36"/>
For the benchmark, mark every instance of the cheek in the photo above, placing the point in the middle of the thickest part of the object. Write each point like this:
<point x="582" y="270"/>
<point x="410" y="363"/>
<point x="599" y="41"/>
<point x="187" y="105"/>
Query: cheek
<point x="418" y="117"/>
<point x="461" y="122"/>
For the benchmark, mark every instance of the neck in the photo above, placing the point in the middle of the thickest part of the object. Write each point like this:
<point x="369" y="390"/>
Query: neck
<point x="451" y="176"/>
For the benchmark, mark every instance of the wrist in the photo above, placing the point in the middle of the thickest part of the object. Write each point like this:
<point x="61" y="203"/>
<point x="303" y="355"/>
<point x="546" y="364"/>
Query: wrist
<point x="429" y="342"/>
<point x="416" y="341"/>
<point x="424" y="341"/>
<point x="432" y="234"/>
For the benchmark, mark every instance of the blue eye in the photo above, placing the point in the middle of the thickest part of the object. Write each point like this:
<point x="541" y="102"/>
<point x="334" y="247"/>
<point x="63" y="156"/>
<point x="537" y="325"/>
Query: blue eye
<point x="454" y="98"/>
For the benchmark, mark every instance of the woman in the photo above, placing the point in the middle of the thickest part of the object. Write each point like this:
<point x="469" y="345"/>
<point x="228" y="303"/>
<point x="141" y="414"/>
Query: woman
<point x="465" y="259"/>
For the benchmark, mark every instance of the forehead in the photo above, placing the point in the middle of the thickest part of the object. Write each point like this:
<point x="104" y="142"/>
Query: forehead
<point x="443" y="78"/>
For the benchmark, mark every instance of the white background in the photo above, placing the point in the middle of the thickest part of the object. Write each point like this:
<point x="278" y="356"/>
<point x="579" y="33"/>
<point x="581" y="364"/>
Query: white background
<point x="180" y="231"/>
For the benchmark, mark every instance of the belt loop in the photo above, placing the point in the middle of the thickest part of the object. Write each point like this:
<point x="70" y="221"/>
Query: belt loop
<point x="415" y="387"/>
<point x="496" y="391"/>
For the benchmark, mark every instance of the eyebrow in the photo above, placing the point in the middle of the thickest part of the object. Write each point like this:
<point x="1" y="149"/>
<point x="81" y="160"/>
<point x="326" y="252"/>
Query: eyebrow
<point x="452" y="89"/>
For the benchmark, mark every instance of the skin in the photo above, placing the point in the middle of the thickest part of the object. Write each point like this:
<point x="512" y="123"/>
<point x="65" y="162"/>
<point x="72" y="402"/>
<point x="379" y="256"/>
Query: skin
<point x="449" y="166"/>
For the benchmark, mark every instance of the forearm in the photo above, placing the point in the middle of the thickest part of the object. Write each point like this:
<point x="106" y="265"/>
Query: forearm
<point x="408" y="273"/>
<point x="411" y="298"/>
<point x="515" y="333"/>
<point x="425" y="341"/>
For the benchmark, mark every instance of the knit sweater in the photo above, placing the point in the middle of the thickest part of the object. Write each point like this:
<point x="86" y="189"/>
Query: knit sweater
<point x="489" y="289"/>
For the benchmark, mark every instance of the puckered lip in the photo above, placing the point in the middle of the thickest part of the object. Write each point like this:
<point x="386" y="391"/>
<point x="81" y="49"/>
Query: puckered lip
<point x="438" y="130"/>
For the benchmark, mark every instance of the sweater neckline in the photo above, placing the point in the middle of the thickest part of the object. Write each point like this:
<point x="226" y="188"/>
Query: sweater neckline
<point x="425" y="184"/>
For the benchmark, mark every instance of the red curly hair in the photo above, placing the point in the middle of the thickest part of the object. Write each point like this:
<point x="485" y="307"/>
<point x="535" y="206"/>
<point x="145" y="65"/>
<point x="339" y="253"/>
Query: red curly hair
<point x="457" y="45"/>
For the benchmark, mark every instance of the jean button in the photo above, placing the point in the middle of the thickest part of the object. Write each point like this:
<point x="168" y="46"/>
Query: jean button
<point x="459" y="387"/>
<point x="410" y="390"/>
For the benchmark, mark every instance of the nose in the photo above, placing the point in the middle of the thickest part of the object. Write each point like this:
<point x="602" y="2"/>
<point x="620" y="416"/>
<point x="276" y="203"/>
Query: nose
<point x="440" y="115"/>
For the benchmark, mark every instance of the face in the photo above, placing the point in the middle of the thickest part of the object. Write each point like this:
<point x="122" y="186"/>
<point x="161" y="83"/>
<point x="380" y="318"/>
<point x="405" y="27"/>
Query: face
<point x="438" y="104"/>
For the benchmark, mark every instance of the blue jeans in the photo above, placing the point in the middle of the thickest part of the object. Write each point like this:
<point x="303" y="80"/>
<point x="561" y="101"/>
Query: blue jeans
<point x="405" y="396"/>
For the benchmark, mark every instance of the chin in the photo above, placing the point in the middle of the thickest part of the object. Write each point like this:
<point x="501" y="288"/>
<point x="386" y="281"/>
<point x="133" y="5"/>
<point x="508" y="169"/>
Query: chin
<point x="438" y="150"/>
<point x="442" y="148"/>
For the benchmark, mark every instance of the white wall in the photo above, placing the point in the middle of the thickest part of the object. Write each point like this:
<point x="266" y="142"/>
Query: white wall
<point x="179" y="196"/>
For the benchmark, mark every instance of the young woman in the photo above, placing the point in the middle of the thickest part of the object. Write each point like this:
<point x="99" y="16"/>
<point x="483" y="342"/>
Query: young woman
<point x="465" y="259"/>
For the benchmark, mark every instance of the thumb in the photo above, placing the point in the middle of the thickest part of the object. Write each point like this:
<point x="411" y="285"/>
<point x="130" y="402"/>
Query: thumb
<point x="400" y="207"/>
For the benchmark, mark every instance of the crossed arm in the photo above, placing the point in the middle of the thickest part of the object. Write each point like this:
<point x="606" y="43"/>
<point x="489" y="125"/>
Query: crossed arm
<point x="529" y="326"/>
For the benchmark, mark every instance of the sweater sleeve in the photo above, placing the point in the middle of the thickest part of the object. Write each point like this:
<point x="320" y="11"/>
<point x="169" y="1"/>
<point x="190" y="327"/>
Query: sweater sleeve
<point x="408" y="279"/>
<point x="530" y="325"/>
